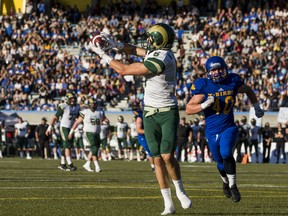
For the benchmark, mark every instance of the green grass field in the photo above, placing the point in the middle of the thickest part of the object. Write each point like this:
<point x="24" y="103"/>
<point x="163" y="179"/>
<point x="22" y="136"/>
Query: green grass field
<point x="37" y="187"/>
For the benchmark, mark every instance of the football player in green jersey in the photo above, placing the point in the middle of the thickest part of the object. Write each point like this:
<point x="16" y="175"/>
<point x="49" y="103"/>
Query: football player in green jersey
<point x="67" y="113"/>
<point x="161" y="115"/>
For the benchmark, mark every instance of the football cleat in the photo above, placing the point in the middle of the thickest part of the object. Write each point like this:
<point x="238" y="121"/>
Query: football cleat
<point x="226" y="190"/>
<point x="62" y="167"/>
<point x="98" y="170"/>
<point x="87" y="168"/>
<point x="185" y="201"/>
<point x="235" y="195"/>
<point x="71" y="167"/>
<point x="169" y="211"/>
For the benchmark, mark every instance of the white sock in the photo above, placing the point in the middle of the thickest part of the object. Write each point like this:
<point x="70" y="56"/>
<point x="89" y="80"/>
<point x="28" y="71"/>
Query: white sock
<point x="166" y="194"/>
<point x="225" y="179"/>
<point x="87" y="163"/>
<point x="1" y="154"/>
<point x="179" y="187"/>
<point x="138" y="156"/>
<point x="63" y="160"/>
<point x="68" y="159"/>
<point x="152" y="166"/>
<point x="27" y="154"/>
<point x="131" y="156"/>
<point x="78" y="156"/>
<point x="181" y="195"/>
<point x="232" y="179"/>
<point x="96" y="165"/>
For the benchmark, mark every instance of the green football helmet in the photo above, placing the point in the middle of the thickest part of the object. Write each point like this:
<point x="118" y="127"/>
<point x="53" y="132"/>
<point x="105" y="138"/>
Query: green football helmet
<point x="92" y="103"/>
<point x="70" y="98"/>
<point x="160" y="36"/>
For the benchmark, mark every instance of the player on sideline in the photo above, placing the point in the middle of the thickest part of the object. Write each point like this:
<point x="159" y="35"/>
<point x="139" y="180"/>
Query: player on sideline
<point x="161" y="115"/>
<point x="67" y="113"/>
<point x="92" y="120"/>
<point x="215" y="96"/>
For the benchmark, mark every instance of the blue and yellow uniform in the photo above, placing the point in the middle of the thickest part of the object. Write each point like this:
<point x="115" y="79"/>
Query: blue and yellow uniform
<point x="221" y="131"/>
<point x="141" y="137"/>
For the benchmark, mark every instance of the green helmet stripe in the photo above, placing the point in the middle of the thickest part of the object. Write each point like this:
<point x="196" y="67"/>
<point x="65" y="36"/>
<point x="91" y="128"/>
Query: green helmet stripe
<point x="164" y="35"/>
<point x="154" y="65"/>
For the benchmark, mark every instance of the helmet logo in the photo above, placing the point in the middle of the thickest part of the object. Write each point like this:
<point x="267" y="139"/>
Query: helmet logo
<point x="215" y="65"/>
<point x="160" y="36"/>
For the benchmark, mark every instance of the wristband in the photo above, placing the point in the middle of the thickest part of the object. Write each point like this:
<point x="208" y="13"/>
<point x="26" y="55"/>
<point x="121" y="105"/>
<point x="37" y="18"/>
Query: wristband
<point x="107" y="58"/>
<point x="203" y="105"/>
<point x="71" y="131"/>
<point x="49" y="128"/>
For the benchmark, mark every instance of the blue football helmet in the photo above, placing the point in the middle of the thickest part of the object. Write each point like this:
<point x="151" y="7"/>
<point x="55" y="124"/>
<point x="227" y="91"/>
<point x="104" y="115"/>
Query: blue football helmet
<point x="216" y="62"/>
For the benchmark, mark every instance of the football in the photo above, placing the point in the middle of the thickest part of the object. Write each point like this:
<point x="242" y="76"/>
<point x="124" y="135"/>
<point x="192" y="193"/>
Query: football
<point x="97" y="40"/>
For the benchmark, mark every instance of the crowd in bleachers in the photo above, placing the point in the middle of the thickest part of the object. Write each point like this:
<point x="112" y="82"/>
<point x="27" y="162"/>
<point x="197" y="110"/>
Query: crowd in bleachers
<point x="37" y="70"/>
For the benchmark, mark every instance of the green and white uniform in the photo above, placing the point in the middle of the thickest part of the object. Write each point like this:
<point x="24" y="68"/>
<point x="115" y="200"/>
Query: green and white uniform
<point x="22" y="138"/>
<point x="103" y="136"/>
<point x="67" y="114"/>
<point x="92" y="128"/>
<point x="78" y="136"/>
<point x="161" y="115"/>
<point x="133" y="136"/>
<point x="121" y="130"/>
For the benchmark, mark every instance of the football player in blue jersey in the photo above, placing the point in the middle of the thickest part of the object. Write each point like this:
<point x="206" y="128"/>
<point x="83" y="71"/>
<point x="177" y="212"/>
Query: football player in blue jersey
<point x="215" y="95"/>
<point x="138" y="114"/>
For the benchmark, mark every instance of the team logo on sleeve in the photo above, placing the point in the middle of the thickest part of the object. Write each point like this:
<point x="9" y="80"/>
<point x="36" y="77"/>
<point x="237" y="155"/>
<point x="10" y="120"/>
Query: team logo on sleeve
<point x="193" y="87"/>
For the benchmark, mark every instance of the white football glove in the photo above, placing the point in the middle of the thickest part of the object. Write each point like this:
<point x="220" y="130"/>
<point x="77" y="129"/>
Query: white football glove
<point x="258" y="111"/>
<point x="207" y="103"/>
<point x="99" y="51"/>
<point x="112" y="43"/>
<point x="96" y="49"/>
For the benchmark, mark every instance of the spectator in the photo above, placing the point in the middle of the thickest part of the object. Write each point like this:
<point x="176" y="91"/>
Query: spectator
<point x="279" y="138"/>
<point x="267" y="136"/>
<point x="255" y="138"/>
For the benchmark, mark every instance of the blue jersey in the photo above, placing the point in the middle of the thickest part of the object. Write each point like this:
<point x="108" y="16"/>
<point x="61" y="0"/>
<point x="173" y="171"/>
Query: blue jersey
<point x="139" y="114"/>
<point x="219" y="115"/>
<point x="141" y="137"/>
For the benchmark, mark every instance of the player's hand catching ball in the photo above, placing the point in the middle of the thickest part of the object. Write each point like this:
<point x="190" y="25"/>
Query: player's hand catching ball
<point x="96" y="49"/>
<point x="111" y="43"/>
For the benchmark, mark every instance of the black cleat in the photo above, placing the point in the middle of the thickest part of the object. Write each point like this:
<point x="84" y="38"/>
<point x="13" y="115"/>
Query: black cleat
<point x="235" y="193"/>
<point x="62" y="167"/>
<point x="226" y="190"/>
<point x="71" y="167"/>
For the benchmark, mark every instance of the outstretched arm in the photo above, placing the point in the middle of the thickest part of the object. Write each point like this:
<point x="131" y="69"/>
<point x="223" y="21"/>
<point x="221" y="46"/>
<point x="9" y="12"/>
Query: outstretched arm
<point x="131" y="49"/>
<point x="253" y="99"/>
<point x="249" y="92"/>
